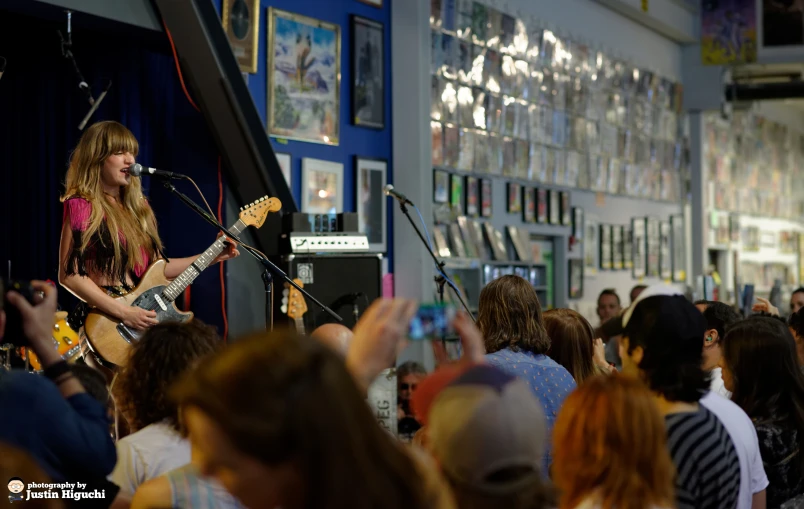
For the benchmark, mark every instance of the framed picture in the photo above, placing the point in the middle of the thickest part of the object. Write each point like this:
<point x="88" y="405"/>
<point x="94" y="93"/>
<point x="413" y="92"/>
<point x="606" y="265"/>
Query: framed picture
<point x="555" y="207"/>
<point x="678" y="241"/>
<point x="322" y="186"/>
<point x="440" y="186"/>
<point x="541" y="206"/>
<point x="485" y="198"/>
<point x="653" y="242"/>
<point x="605" y="247"/>
<point x="371" y="176"/>
<point x="638" y="245"/>
<point x="368" y="73"/>
<point x="284" y="160"/>
<point x="576" y="279"/>
<point x="591" y="250"/>
<point x="456" y="193"/>
<point x="617" y="233"/>
<point x="304" y="83"/>
<point x="628" y="248"/>
<point x="577" y="223"/>
<point x="241" y="22"/>
<point x="529" y="204"/>
<point x="514" y="197"/>
<point x="566" y="211"/>
<point x="472" y="197"/>
<point x="665" y="262"/>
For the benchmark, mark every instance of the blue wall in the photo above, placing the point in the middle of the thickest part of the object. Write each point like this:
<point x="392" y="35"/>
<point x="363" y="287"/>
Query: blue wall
<point x="354" y="141"/>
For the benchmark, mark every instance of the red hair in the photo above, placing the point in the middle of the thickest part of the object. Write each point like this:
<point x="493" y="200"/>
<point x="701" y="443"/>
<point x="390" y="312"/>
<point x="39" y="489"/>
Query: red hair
<point x="610" y="442"/>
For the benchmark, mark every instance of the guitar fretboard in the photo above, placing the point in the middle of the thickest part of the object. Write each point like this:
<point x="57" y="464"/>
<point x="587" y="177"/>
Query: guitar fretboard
<point x="186" y="278"/>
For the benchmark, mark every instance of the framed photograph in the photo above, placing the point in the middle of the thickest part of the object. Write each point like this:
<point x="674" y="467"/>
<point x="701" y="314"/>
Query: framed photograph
<point x="653" y="242"/>
<point x="605" y="247"/>
<point x="529" y="204"/>
<point x="665" y="261"/>
<point x="555" y="207"/>
<point x="638" y="245"/>
<point x="566" y="211"/>
<point x="679" y="246"/>
<point x="440" y="186"/>
<point x="322" y="186"/>
<point x="541" y="206"/>
<point x="577" y="223"/>
<point x="368" y="73"/>
<point x="241" y="22"/>
<point x="304" y="83"/>
<point x="472" y="196"/>
<point x="591" y="249"/>
<point x="617" y="235"/>
<point x="285" y="162"/>
<point x="371" y="201"/>
<point x="576" y="279"/>
<point x="514" y="197"/>
<point x="456" y="193"/>
<point x="485" y="198"/>
<point x="628" y="248"/>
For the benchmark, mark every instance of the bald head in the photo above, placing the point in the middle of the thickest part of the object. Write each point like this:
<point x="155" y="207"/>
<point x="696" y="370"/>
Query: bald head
<point x="335" y="336"/>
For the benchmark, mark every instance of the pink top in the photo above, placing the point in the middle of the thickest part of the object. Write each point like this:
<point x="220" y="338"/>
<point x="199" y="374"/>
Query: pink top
<point x="77" y="211"/>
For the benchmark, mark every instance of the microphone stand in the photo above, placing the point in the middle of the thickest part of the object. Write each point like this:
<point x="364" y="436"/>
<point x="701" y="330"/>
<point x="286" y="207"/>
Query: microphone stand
<point x="439" y="279"/>
<point x="270" y="268"/>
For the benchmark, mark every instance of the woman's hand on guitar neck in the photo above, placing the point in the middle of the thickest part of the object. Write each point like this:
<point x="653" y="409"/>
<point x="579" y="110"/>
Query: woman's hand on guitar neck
<point x="138" y="318"/>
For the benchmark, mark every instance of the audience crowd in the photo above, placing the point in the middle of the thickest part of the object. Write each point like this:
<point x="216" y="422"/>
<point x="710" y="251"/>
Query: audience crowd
<point x="667" y="404"/>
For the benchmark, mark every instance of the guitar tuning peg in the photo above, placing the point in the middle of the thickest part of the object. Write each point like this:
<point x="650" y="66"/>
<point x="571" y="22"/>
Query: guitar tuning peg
<point x="262" y="199"/>
<point x="284" y="310"/>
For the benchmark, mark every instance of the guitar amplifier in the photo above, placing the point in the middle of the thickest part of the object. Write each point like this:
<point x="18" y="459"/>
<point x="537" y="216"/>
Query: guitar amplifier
<point x="347" y="283"/>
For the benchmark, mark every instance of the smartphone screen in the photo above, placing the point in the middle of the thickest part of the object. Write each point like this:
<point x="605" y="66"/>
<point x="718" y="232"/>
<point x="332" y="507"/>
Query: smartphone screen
<point x="433" y="322"/>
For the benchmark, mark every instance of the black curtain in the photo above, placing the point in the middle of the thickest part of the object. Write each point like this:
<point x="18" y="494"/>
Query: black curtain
<point x="40" y="109"/>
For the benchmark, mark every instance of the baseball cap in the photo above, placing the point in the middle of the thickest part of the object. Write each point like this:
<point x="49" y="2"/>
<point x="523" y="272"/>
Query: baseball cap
<point x="486" y="422"/>
<point x="617" y="325"/>
<point x="429" y="389"/>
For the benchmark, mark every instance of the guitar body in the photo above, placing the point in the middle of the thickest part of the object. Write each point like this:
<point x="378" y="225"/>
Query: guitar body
<point x="109" y="339"/>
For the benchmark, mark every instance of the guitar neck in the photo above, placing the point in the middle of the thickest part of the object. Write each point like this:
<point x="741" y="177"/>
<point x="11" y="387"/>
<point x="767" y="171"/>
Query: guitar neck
<point x="300" y="326"/>
<point x="186" y="278"/>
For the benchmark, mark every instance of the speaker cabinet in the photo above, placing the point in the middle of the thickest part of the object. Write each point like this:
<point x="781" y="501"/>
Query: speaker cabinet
<point x="347" y="283"/>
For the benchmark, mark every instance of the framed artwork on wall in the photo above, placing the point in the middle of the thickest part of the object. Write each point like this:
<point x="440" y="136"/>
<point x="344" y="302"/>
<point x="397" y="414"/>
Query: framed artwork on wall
<point x="304" y="70"/>
<point x="638" y="246"/>
<point x="555" y="207"/>
<point x="456" y="193"/>
<point x="665" y="262"/>
<point x="322" y="186"/>
<point x="528" y="204"/>
<point x="566" y="210"/>
<point x="653" y="242"/>
<point x="472" y="196"/>
<point x="605" y="247"/>
<point x="371" y="177"/>
<point x="368" y="73"/>
<point x="679" y="246"/>
<point x="241" y="22"/>
<point x="285" y="161"/>
<point x="577" y="223"/>
<point x="541" y="206"/>
<point x="485" y="198"/>
<point x="576" y="279"/>
<point x="617" y="247"/>
<point x="628" y="248"/>
<point x="514" y="197"/>
<point x="440" y="186"/>
<point x="591" y="252"/>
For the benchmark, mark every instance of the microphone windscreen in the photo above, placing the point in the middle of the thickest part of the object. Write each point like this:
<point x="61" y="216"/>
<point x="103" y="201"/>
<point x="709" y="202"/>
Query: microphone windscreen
<point x="135" y="170"/>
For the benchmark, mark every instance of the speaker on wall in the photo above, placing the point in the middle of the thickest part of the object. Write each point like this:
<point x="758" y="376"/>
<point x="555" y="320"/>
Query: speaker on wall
<point x="347" y="283"/>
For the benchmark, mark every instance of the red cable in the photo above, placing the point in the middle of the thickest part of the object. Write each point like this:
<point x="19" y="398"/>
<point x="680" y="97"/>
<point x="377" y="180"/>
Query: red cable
<point x="220" y="188"/>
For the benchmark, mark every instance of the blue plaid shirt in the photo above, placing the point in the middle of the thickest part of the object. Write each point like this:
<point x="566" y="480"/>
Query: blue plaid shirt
<point x="548" y="380"/>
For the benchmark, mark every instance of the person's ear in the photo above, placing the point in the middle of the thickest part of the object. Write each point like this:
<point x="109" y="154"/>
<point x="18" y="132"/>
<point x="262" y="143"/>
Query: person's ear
<point x="710" y="337"/>
<point x="636" y="355"/>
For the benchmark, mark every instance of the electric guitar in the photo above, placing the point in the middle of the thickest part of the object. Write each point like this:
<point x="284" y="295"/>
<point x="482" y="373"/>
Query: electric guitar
<point x="294" y="305"/>
<point x="111" y="340"/>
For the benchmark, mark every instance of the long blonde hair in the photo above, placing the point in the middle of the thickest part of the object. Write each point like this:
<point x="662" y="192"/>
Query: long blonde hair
<point x="134" y="219"/>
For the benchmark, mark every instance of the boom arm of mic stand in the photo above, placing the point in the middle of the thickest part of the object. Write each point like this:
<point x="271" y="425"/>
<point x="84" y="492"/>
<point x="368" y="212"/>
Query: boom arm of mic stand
<point x="438" y="263"/>
<point x="265" y="261"/>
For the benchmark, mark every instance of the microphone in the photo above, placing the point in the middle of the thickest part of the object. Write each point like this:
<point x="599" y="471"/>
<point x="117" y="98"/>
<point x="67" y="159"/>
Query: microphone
<point x="390" y="191"/>
<point x="138" y="170"/>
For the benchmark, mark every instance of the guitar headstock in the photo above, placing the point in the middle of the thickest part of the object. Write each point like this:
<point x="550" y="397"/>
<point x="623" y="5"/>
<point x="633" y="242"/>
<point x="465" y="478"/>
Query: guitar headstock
<point x="255" y="213"/>
<point x="297" y="306"/>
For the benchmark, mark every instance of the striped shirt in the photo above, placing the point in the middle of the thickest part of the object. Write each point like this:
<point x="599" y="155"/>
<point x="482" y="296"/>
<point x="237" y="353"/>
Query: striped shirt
<point x="190" y="490"/>
<point x="706" y="461"/>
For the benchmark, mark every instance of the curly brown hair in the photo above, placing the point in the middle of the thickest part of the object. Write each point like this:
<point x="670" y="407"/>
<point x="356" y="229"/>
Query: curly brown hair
<point x="157" y="360"/>
<point x="510" y="316"/>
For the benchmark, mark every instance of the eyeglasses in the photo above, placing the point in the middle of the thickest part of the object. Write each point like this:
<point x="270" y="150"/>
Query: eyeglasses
<point x="407" y="387"/>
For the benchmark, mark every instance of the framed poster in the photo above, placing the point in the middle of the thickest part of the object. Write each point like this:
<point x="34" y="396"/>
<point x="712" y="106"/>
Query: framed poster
<point x="285" y="161"/>
<point x="322" y="186"/>
<point x="576" y="279"/>
<point x="653" y="243"/>
<point x="665" y="261"/>
<point x="514" y="197"/>
<point x="605" y="247"/>
<point x="679" y="246"/>
<point x="472" y="196"/>
<point x="555" y="207"/>
<point x="456" y="193"/>
<point x="617" y="233"/>
<point x="591" y="253"/>
<point x="304" y="78"/>
<point x="541" y="206"/>
<point x="528" y="204"/>
<point x="371" y="201"/>
<point x="485" y="198"/>
<point x="638" y="245"/>
<point x="241" y="22"/>
<point x="628" y="248"/>
<point x="440" y="186"/>
<point x="566" y="211"/>
<point x="368" y="73"/>
<point x="577" y="223"/>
